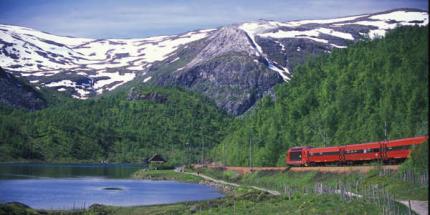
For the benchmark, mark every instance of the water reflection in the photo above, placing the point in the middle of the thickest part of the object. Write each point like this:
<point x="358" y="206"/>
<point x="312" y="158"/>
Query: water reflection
<point x="42" y="170"/>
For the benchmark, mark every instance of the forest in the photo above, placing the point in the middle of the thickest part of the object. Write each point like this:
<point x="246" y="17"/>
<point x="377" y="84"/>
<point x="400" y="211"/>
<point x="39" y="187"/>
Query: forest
<point x="349" y="96"/>
<point x="115" y="128"/>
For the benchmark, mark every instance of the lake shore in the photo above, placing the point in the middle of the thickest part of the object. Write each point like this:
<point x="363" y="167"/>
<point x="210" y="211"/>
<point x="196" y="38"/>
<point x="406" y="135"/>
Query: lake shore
<point x="182" y="177"/>
<point x="241" y="199"/>
<point x="228" y="191"/>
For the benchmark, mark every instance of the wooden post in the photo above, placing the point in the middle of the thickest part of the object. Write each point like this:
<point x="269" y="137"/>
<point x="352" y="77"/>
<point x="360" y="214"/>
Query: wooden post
<point x="285" y="189"/>
<point x="410" y="207"/>
<point x="234" y="206"/>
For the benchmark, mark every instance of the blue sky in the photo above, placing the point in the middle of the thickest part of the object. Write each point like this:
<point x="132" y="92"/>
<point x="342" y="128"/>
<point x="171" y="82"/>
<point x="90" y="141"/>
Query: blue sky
<point x="142" y="18"/>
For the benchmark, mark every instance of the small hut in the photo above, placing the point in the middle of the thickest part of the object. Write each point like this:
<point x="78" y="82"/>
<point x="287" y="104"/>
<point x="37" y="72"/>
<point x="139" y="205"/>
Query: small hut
<point x="156" y="159"/>
<point x="157" y="162"/>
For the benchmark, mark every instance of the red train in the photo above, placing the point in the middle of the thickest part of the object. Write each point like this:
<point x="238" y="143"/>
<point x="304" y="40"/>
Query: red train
<point x="392" y="151"/>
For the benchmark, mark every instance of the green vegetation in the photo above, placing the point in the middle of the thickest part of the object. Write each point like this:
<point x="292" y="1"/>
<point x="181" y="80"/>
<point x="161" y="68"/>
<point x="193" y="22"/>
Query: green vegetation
<point x="254" y="203"/>
<point x="341" y="98"/>
<point x="389" y="181"/>
<point x="173" y="122"/>
<point x="16" y="209"/>
<point x="165" y="175"/>
<point x="418" y="162"/>
<point x="299" y="204"/>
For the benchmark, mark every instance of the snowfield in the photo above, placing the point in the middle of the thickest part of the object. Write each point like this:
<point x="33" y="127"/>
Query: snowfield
<point x="37" y="54"/>
<point x="92" y="66"/>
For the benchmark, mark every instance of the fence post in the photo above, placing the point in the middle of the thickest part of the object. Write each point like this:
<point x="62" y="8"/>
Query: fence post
<point x="289" y="195"/>
<point x="285" y="189"/>
<point x="410" y="208"/>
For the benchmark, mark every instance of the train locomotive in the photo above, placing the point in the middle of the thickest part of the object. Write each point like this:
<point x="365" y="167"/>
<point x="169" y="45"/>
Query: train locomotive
<point x="389" y="151"/>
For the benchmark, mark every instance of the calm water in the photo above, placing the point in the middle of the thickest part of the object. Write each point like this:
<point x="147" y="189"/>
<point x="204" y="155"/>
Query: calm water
<point x="79" y="186"/>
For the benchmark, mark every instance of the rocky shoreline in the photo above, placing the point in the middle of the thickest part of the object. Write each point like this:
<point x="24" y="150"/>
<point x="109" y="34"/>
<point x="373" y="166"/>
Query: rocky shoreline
<point x="222" y="188"/>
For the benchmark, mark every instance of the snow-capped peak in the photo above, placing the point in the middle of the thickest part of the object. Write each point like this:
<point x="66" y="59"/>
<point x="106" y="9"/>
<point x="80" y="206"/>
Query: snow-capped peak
<point x="96" y="65"/>
<point x="86" y="67"/>
<point x="330" y="33"/>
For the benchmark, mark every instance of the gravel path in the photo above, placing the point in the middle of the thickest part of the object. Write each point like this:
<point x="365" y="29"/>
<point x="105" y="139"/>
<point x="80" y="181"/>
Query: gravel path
<point x="273" y="192"/>
<point x="419" y="207"/>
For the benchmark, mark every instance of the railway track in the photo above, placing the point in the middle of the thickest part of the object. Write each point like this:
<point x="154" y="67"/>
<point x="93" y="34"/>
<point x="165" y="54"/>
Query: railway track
<point x="325" y="169"/>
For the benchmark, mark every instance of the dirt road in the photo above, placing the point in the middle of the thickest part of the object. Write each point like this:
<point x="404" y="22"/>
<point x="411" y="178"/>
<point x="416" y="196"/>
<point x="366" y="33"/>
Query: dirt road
<point x="419" y="207"/>
<point x="208" y="178"/>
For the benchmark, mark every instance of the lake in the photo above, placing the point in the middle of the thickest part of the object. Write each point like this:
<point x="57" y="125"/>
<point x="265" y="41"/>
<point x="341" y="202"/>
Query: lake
<point x="75" y="186"/>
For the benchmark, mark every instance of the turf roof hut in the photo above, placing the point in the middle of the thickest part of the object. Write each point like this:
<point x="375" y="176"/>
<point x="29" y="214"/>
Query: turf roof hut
<point x="156" y="159"/>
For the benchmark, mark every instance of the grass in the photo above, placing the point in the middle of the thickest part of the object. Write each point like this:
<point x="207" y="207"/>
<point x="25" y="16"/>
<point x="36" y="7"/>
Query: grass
<point x="165" y="175"/>
<point x="297" y="180"/>
<point x="16" y="208"/>
<point x="253" y="202"/>
<point x="299" y="204"/>
<point x="401" y="189"/>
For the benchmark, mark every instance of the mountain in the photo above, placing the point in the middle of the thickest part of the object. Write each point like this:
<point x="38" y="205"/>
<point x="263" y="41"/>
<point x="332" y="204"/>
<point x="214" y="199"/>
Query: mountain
<point x="18" y="94"/>
<point x="233" y="65"/>
<point x="346" y="97"/>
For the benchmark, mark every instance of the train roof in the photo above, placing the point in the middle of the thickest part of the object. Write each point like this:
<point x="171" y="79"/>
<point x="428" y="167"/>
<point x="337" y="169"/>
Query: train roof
<point x="325" y="149"/>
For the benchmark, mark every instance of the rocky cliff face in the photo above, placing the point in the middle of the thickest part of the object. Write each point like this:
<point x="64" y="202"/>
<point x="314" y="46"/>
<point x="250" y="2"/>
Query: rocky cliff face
<point x="16" y="93"/>
<point x="224" y="67"/>
<point x="233" y="65"/>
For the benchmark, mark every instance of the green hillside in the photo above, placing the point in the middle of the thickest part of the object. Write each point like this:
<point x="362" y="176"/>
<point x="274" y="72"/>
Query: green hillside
<point x="341" y="98"/>
<point x="114" y="128"/>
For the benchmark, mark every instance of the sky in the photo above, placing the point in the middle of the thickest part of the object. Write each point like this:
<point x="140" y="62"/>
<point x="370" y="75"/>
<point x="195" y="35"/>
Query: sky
<point x="143" y="18"/>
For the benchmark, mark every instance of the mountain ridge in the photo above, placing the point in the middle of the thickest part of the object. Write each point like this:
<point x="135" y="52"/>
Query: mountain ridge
<point x="84" y="67"/>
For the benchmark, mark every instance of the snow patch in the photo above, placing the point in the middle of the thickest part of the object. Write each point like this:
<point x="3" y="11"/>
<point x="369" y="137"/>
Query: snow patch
<point x="322" y="21"/>
<point x="283" y="72"/>
<point x="378" y="33"/>
<point x="147" y="79"/>
<point x="176" y="59"/>
<point x="402" y="16"/>
<point x="62" y="83"/>
<point x="310" y="34"/>
<point x="337" y="46"/>
<point x="113" y="77"/>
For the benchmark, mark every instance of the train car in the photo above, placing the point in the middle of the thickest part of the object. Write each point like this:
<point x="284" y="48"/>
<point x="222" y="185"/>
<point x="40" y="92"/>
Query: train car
<point x="391" y="151"/>
<point x="297" y="156"/>
<point x="398" y="150"/>
<point x="360" y="153"/>
<point x="317" y="156"/>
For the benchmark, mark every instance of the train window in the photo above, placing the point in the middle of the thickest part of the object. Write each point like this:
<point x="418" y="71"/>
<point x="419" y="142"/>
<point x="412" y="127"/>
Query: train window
<point x="372" y="150"/>
<point x="295" y="156"/>
<point x="330" y="153"/>
<point x="398" y="148"/>
<point x="323" y="153"/>
<point x="354" y="151"/>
